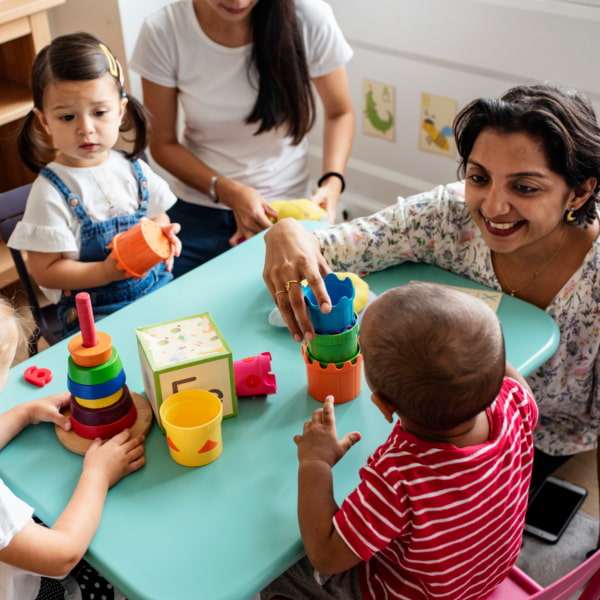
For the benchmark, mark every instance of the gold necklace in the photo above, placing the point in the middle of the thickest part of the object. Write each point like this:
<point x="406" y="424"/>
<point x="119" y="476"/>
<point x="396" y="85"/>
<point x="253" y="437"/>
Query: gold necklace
<point x="535" y="274"/>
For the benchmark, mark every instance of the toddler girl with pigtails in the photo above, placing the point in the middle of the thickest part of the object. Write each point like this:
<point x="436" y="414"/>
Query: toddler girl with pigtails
<point x="87" y="192"/>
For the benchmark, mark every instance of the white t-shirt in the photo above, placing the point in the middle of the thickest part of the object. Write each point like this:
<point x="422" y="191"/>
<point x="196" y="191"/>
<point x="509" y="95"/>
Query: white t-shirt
<point x="106" y="191"/>
<point x="216" y="96"/>
<point x="15" y="583"/>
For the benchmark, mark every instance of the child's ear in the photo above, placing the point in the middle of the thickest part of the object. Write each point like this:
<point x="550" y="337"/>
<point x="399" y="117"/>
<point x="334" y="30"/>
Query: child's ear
<point x="42" y="119"/>
<point x="124" y="101"/>
<point x="385" y="406"/>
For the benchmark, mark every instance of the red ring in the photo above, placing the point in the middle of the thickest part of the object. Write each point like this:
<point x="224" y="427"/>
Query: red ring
<point x="91" y="432"/>
<point x="102" y="416"/>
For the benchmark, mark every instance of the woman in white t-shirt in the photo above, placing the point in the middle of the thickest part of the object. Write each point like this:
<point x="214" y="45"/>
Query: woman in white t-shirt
<point x="246" y="109"/>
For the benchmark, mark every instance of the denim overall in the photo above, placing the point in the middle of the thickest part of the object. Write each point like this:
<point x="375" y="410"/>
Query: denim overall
<point x="95" y="237"/>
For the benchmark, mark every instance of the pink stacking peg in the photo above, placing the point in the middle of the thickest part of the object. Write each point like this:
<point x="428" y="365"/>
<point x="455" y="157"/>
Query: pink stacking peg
<point x="253" y="377"/>
<point x="86" y="319"/>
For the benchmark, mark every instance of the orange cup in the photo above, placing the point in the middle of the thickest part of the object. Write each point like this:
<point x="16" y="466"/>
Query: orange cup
<point x="343" y="383"/>
<point x="140" y="248"/>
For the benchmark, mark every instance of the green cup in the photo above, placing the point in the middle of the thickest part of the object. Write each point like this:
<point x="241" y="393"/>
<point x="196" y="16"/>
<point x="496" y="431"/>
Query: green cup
<point x="335" y="347"/>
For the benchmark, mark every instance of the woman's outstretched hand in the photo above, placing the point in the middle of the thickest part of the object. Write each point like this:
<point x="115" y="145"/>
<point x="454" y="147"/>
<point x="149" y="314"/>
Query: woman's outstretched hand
<point x="292" y="255"/>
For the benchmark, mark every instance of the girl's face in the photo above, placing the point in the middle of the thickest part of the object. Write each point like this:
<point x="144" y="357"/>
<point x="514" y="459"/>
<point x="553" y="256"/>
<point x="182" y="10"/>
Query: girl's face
<point x="513" y="196"/>
<point x="83" y="119"/>
<point x="232" y="10"/>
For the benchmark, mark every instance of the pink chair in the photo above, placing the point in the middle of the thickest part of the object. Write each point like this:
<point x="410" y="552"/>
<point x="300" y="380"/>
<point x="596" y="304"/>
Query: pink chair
<point x="519" y="586"/>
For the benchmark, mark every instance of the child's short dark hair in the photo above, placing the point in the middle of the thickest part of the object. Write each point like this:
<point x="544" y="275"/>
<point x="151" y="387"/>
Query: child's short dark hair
<point x="434" y="352"/>
<point x="76" y="57"/>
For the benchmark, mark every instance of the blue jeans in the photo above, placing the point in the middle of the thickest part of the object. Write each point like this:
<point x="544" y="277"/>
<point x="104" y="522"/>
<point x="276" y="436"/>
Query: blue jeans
<point x="205" y="233"/>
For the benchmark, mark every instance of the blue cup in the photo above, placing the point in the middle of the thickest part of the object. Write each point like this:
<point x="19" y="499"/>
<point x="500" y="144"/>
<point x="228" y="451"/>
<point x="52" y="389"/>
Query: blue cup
<point x="341" y="317"/>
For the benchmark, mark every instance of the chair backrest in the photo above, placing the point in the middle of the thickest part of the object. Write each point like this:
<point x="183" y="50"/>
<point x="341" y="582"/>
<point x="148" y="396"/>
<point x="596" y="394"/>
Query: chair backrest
<point x="572" y="582"/>
<point x="519" y="586"/>
<point x="12" y="207"/>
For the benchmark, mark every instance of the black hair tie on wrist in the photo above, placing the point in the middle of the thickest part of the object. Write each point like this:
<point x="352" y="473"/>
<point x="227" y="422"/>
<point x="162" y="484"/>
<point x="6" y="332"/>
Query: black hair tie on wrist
<point x="333" y="174"/>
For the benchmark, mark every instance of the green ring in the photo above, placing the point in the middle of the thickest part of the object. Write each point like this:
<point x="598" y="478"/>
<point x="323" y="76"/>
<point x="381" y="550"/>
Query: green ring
<point x="96" y="375"/>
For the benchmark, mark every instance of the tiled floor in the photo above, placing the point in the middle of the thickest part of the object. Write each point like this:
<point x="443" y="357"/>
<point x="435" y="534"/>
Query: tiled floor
<point x="581" y="469"/>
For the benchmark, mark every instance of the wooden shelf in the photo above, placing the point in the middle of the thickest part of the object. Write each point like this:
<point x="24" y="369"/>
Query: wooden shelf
<point x="15" y="101"/>
<point x="24" y="31"/>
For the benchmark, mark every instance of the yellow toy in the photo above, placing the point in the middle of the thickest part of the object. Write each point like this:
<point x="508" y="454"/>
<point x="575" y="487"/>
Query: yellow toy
<point x="300" y="208"/>
<point x="361" y="290"/>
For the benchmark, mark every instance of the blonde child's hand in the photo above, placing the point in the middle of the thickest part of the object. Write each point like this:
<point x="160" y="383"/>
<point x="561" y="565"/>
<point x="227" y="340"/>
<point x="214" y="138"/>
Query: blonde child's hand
<point x="171" y="230"/>
<point x="47" y="410"/>
<point x="319" y="439"/>
<point x="117" y="457"/>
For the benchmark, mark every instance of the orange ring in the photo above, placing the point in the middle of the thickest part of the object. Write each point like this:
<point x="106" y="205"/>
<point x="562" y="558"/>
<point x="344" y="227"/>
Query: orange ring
<point x="94" y="355"/>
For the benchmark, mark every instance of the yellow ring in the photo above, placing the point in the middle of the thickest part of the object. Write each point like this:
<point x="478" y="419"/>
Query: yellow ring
<point x="289" y="283"/>
<point x="99" y="402"/>
<point x="281" y="292"/>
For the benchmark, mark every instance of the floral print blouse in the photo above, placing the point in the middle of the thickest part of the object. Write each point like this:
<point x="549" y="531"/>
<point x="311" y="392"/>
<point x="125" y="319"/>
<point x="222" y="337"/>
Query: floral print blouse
<point x="435" y="228"/>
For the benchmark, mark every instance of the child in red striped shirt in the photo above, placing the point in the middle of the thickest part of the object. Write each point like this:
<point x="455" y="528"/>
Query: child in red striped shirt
<point x="440" y="508"/>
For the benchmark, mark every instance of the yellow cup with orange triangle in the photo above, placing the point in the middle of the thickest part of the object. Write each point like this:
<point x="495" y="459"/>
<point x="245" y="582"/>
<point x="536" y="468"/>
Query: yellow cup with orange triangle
<point x="192" y="422"/>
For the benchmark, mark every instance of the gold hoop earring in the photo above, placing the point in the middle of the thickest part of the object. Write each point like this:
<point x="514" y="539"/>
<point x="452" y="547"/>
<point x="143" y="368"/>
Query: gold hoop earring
<point x="570" y="216"/>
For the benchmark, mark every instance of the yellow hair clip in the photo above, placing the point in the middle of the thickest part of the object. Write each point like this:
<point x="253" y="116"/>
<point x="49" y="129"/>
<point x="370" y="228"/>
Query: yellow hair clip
<point x="113" y="65"/>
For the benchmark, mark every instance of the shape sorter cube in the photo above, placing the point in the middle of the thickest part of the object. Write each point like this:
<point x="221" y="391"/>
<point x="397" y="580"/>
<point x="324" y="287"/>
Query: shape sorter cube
<point x="184" y="354"/>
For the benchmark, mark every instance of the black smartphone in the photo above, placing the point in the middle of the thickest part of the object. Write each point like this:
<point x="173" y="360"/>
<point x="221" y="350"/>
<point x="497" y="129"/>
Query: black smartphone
<point x="552" y="508"/>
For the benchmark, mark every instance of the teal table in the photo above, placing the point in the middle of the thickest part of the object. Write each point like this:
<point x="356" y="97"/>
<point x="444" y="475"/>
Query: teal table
<point x="222" y="531"/>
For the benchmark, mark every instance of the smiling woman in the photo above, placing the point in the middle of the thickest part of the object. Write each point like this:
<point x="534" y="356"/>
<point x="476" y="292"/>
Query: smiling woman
<point x="523" y="221"/>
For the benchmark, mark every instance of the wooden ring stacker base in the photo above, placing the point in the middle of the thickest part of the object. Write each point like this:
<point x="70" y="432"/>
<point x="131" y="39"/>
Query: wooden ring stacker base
<point x="79" y="445"/>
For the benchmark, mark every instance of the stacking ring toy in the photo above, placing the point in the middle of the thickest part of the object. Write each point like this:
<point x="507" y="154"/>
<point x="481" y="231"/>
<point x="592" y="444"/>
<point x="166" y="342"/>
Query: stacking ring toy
<point x="89" y="392"/>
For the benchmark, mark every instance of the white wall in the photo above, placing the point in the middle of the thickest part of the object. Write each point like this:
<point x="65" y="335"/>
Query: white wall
<point x="116" y="22"/>
<point x="459" y="49"/>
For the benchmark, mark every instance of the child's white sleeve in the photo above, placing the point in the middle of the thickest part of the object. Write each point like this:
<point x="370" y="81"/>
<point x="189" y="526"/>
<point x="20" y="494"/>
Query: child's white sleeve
<point x="14" y="515"/>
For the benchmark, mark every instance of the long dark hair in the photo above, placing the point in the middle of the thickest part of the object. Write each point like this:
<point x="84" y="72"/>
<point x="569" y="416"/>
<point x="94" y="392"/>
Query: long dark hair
<point x="75" y="57"/>
<point x="285" y="94"/>
<point x="562" y="119"/>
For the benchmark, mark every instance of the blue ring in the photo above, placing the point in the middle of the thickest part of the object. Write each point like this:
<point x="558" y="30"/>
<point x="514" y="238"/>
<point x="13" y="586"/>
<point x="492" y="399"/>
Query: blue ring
<point x="93" y="392"/>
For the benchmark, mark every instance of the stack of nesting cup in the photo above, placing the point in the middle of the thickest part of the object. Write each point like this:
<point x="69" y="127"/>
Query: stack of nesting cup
<point x="333" y="359"/>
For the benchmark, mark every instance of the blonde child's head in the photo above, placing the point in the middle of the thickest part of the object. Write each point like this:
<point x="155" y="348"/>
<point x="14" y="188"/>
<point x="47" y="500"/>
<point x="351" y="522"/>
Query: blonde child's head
<point x="14" y="333"/>
<point x="71" y="58"/>
<point x="434" y="353"/>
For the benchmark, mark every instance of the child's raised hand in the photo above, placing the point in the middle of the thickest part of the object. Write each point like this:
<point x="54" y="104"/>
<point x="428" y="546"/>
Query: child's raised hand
<point x="115" y="458"/>
<point x="47" y="410"/>
<point x="171" y="230"/>
<point x="319" y="439"/>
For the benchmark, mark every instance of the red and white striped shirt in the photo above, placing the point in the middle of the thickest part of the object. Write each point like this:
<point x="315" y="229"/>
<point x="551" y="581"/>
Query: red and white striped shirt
<point x="438" y="522"/>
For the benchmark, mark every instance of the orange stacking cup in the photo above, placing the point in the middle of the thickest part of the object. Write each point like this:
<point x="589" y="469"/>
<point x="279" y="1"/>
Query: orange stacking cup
<point x="140" y="248"/>
<point x="342" y="382"/>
